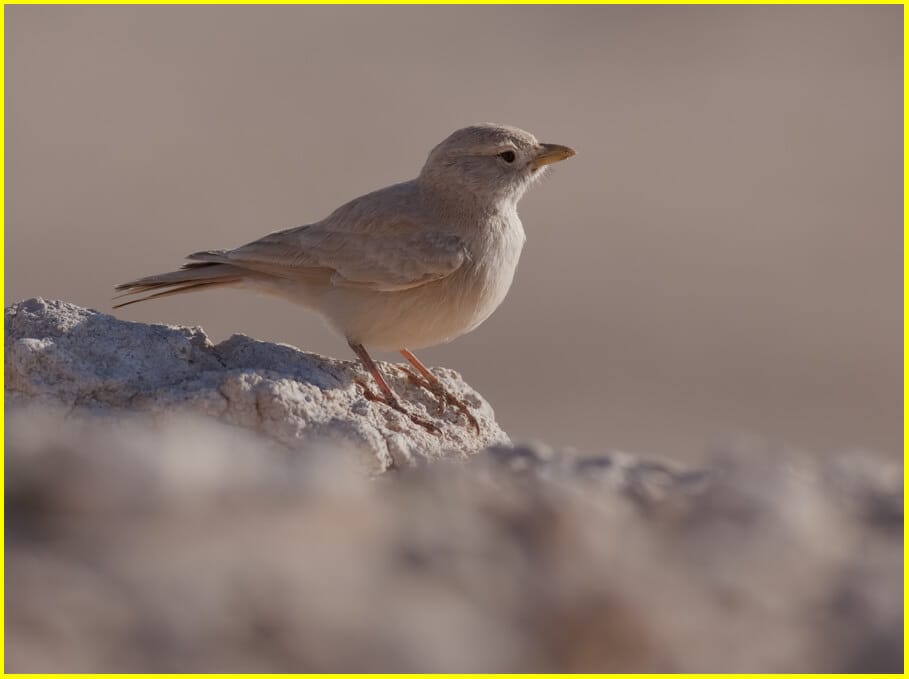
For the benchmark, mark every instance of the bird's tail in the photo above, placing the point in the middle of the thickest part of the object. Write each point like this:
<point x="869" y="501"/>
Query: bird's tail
<point x="190" y="278"/>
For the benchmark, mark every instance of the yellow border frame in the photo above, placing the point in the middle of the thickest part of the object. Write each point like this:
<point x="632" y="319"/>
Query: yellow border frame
<point x="458" y="2"/>
<point x="461" y="2"/>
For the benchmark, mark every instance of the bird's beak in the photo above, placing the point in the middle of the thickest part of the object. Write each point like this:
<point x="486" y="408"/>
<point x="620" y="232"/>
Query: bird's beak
<point x="551" y="153"/>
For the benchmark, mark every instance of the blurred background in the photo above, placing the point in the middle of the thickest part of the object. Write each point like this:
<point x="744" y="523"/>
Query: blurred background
<point x="724" y="255"/>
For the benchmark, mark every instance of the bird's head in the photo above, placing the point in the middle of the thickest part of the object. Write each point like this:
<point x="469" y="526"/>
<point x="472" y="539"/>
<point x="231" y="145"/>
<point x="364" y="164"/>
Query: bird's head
<point x="489" y="163"/>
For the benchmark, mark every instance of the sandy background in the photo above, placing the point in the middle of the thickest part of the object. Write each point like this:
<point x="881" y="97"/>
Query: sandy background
<point x="723" y="256"/>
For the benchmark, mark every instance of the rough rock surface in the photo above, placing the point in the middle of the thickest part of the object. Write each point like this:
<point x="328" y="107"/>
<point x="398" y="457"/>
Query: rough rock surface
<point x="59" y="354"/>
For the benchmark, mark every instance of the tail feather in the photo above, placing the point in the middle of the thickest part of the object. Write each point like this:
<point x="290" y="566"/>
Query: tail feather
<point x="175" y="291"/>
<point x="192" y="277"/>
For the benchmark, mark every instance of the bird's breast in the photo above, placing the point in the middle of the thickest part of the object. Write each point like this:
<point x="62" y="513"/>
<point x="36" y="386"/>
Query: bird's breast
<point x="436" y="312"/>
<point x="487" y="277"/>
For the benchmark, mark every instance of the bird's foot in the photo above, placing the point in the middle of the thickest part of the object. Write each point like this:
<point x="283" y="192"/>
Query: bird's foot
<point x="443" y="396"/>
<point x="395" y="404"/>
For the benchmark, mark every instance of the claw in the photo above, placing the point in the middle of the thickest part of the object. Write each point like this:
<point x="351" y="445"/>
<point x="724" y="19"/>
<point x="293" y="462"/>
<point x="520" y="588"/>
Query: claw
<point x="394" y="404"/>
<point x="418" y="381"/>
<point x="451" y="399"/>
<point x="368" y="393"/>
<point x="443" y="396"/>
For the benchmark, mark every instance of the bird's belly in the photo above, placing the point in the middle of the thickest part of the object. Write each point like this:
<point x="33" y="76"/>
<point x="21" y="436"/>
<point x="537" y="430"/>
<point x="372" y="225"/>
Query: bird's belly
<point x="420" y="317"/>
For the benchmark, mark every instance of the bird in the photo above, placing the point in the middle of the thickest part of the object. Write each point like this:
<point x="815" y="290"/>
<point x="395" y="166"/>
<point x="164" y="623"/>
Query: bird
<point x="411" y="265"/>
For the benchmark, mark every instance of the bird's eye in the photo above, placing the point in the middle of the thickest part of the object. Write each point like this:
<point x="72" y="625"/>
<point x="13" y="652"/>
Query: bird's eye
<point x="507" y="156"/>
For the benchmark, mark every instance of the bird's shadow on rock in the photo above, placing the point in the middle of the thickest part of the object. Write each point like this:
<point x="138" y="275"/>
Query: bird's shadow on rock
<point x="285" y="361"/>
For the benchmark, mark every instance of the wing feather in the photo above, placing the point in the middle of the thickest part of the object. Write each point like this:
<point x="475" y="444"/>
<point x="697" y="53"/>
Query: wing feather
<point x="367" y="244"/>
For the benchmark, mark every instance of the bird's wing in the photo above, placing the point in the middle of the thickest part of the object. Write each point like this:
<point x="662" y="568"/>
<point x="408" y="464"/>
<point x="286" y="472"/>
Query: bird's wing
<point x="385" y="260"/>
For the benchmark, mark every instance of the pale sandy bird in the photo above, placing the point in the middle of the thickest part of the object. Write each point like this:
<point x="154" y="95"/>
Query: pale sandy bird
<point x="408" y="266"/>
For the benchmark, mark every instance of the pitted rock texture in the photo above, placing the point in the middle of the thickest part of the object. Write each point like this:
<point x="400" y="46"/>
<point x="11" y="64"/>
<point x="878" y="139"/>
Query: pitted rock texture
<point x="62" y="355"/>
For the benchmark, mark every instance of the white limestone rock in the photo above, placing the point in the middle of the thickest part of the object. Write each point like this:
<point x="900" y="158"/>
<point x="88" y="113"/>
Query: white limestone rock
<point x="90" y="363"/>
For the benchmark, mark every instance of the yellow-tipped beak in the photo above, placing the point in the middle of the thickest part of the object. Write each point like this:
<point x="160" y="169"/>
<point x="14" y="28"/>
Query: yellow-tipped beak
<point x="551" y="153"/>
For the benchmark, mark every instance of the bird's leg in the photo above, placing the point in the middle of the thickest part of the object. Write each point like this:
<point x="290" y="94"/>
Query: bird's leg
<point x="432" y="383"/>
<point x="388" y="396"/>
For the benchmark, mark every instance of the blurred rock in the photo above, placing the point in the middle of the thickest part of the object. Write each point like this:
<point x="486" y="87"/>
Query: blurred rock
<point x="88" y="363"/>
<point x="196" y="547"/>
